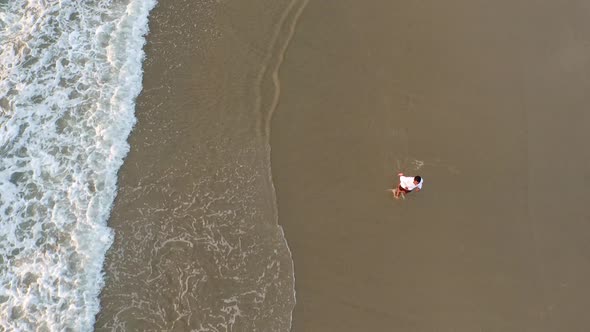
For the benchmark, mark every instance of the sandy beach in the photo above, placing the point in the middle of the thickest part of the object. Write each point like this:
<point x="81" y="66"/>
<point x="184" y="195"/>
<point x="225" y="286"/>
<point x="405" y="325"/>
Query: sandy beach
<point x="488" y="102"/>
<point x="197" y="244"/>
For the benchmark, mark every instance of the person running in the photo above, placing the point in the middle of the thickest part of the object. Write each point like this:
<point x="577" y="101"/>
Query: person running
<point x="407" y="184"/>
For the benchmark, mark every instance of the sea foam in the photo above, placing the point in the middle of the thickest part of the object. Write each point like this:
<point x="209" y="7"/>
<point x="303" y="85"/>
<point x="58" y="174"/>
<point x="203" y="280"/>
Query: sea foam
<point x="69" y="74"/>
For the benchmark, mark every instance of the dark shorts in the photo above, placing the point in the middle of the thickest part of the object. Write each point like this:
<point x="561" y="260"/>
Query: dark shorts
<point x="402" y="189"/>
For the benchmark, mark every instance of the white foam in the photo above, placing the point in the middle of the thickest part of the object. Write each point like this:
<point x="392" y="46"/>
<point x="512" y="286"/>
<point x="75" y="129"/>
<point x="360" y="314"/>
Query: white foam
<point x="69" y="74"/>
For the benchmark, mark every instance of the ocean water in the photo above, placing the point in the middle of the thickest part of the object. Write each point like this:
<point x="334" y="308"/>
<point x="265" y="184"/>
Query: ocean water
<point x="69" y="75"/>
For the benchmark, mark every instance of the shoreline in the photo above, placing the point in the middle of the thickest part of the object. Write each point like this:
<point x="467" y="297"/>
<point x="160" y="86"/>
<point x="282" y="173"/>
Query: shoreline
<point x="197" y="241"/>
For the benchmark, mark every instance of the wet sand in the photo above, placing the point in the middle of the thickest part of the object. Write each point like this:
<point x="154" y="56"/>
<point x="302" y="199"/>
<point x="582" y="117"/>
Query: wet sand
<point x="197" y="244"/>
<point x="489" y="103"/>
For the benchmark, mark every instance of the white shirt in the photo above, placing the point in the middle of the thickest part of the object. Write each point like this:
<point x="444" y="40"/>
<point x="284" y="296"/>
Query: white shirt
<point x="407" y="182"/>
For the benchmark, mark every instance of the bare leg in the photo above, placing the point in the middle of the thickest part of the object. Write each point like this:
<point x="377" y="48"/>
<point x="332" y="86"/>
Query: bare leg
<point x="396" y="192"/>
